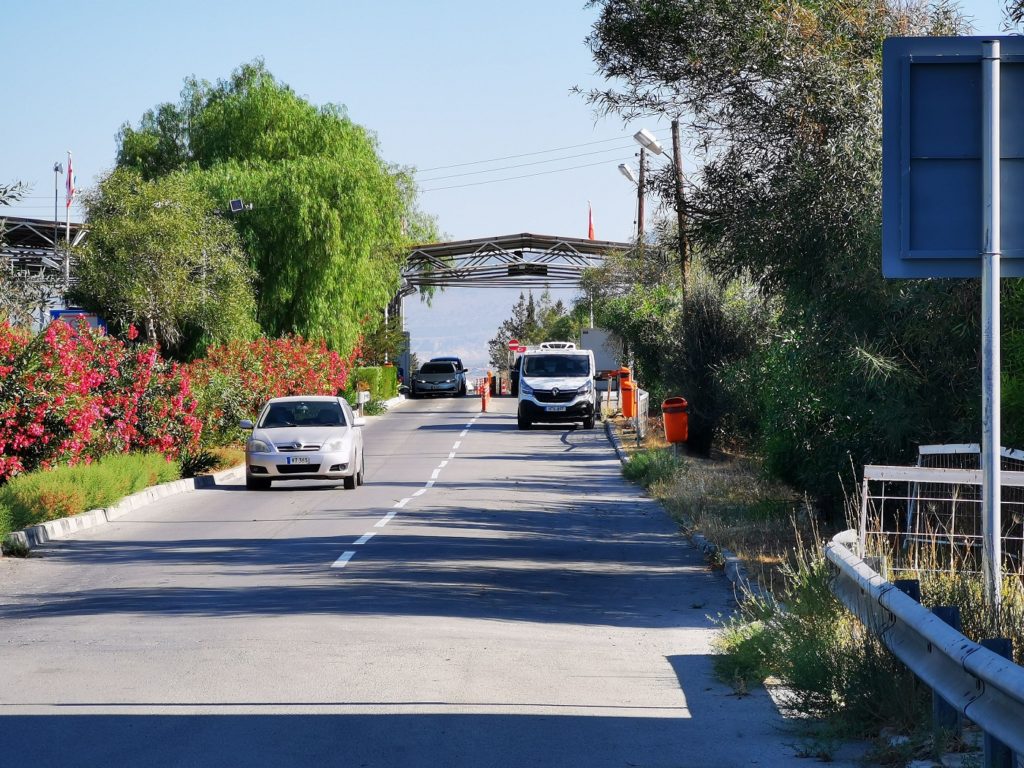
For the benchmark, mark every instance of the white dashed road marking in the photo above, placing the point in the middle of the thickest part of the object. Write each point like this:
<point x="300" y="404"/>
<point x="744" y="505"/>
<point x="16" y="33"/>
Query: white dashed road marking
<point x="342" y="561"/>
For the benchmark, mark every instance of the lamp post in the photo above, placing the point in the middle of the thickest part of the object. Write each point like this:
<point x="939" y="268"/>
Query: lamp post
<point x="646" y="140"/>
<point x="626" y="171"/>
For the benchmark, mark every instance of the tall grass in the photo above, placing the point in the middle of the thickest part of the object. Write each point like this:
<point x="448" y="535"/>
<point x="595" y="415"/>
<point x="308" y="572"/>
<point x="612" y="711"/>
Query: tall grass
<point x="826" y="663"/>
<point x="36" y="497"/>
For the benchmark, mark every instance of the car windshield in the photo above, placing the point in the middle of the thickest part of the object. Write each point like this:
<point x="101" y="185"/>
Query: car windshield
<point x="550" y="366"/>
<point x="438" y="368"/>
<point x="303" y="413"/>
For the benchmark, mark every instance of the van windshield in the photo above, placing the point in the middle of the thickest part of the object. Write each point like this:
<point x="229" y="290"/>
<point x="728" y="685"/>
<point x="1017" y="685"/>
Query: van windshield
<point x="551" y="366"/>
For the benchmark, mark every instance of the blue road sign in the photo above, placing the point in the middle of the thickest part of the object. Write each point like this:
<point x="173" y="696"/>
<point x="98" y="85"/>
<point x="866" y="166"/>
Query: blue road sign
<point x="931" y="156"/>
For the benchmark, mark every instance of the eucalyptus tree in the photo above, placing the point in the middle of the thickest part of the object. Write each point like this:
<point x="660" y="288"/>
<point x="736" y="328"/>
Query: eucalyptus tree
<point x="159" y="259"/>
<point x="324" y="220"/>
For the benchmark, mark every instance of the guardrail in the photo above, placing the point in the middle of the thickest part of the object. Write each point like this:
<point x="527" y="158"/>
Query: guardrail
<point x="978" y="683"/>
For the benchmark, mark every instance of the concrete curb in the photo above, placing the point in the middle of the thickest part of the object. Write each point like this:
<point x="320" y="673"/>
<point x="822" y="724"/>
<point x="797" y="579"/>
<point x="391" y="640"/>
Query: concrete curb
<point x="732" y="565"/>
<point x="616" y="441"/>
<point x="40" y="535"/>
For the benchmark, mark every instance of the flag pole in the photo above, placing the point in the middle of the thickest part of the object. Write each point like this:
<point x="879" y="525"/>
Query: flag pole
<point x="67" y="227"/>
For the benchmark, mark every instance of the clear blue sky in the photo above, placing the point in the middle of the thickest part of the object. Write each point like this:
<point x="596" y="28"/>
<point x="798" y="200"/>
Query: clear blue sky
<point x="440" y="83"/>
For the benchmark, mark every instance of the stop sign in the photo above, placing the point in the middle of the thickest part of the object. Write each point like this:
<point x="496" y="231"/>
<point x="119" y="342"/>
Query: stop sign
<point x="513" y="345"/>
<point x="520" y="349"/>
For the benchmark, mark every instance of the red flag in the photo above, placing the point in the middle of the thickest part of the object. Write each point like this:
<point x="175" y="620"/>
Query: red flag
<point x="70" y="186"/>
<point x="590" y="223"/>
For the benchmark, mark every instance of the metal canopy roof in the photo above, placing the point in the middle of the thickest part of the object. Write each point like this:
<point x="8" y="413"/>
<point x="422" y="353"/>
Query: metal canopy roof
<point x="28" y="244"/>
<point x="507" y="261"/>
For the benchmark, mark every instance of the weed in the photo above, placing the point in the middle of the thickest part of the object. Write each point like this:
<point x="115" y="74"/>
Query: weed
<point x="196" y="462"/>
<point x="652" y="467"/>
<point x="375" y="408"/>
<point x="14" y="547"/>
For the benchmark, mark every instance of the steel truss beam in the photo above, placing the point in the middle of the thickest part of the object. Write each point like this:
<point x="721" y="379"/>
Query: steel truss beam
<point x="510" y="261"/>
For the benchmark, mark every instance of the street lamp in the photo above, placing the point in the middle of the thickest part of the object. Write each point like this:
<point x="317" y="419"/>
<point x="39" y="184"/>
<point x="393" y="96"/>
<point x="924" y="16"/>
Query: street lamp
<point x="647" y="141"/>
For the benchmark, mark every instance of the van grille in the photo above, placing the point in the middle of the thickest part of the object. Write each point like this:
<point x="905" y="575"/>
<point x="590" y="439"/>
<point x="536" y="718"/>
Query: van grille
<point x="547" y="396"/>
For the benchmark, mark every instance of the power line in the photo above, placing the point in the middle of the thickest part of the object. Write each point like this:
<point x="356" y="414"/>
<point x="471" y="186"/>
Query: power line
<point x="524" y="165"/>
<point x="513" y="178"/>
<point x="524" y="154"/>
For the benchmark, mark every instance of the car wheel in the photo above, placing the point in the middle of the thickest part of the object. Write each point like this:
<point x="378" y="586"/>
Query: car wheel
<point x="359" y="475"/>
<point x="349" y="482"/>
<point x="256" y="483"/>
<point x="588" y="422"/>
<point x="524" y="423"/>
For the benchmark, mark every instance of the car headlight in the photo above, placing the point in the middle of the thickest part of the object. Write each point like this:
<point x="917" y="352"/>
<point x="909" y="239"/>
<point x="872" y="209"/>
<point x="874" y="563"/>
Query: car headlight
<point x="585" y="389"/>
<point x="337" y="444"/>
<point x="525" y="388"/>
<point x="449" y="381"/>
<point x="258" y="446"/>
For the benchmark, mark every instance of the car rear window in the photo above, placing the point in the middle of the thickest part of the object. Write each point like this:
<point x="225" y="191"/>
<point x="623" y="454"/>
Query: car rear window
<point x="303" y="413"/>
<point x="438" y="368"/>
<point x="548" y="366"/>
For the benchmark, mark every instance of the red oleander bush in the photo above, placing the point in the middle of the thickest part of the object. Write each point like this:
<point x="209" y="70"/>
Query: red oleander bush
<point x="70" y="395"/>
<point x="235" y="379"/>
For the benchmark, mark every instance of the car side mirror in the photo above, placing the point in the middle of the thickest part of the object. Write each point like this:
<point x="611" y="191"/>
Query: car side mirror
<point x="359" y="421"/>
<point x="246" y="424"/>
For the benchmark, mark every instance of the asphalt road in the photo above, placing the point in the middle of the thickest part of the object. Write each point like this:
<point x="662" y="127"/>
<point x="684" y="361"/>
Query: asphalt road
<point x="489" y="598"/>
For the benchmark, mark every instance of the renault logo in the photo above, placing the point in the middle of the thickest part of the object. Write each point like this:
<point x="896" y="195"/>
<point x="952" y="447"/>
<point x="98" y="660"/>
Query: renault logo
<point x="554" y="391"/>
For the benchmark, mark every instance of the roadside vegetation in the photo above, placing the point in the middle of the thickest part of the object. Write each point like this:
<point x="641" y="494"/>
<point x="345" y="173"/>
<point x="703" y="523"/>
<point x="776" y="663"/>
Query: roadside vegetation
<point x="769" y="313"/>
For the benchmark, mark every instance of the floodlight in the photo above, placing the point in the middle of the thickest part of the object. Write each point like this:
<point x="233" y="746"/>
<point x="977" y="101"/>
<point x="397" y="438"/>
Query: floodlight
<point x="626" y="171"/>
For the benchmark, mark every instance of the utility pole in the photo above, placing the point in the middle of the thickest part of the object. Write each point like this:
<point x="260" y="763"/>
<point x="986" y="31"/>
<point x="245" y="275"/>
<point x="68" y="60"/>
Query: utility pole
<point x="684" y="241"/>
<point x="640" y="200"/>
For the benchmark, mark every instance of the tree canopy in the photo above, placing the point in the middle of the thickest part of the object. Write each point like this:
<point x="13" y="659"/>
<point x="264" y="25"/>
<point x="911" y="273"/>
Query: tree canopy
<point x="782" y="106"/>
<point x="158" y="258"/>
<point x="326" y="220"/>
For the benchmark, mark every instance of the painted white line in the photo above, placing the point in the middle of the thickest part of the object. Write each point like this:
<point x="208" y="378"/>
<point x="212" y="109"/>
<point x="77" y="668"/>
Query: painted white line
<point x="443" y="464"/>
<point x="463" y="433"/>
<point x="342" y="561"/>
<point x="420" y="492"/>
<point x="402" y="503"/>
<point x="434" y="474"/>
<point x="470" y="424"/>
<point x="364" y="538"/>
<point x="457" y="444"/>
<point x="430" y="484"/>
<point x="386" y="519"/>
<point x="451" y="455"/>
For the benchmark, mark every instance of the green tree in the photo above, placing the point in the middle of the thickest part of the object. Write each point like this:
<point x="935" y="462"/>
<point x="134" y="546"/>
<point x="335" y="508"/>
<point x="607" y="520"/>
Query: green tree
<point x="531" y="322"/>
<point x="329" y="220"/>
<point x="157" y="258"/>
<point x="782" y="103"/>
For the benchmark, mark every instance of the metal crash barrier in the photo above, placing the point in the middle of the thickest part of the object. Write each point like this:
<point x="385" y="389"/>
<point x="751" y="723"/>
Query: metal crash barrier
<point x="979" y="684"/>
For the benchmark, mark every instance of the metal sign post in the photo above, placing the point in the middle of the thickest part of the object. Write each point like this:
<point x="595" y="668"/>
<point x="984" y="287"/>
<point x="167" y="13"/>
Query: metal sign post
<point x="946" y="177"/>
<point x="991" y="457"/>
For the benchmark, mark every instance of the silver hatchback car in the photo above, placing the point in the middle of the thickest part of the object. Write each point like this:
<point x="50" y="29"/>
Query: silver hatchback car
<point x="306" y="437"/>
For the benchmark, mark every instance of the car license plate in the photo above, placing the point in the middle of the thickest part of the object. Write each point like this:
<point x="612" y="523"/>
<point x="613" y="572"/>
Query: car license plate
<point x="298" y="460"/>
<point x="555" y="408"/>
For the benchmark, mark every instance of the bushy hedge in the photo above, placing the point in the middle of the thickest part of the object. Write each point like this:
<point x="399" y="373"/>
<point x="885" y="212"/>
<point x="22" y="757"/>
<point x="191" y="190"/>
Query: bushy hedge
<point x="380" y="380"/>
<point x="73" y="394"/>
<point x="36" y="497"/>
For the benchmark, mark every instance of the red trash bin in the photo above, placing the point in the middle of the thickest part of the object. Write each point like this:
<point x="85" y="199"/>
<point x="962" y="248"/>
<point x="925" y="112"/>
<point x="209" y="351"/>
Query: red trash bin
<point x="677" y="421"/>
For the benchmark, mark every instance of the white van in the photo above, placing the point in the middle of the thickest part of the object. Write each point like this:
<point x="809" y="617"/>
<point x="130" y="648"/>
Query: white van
<point x="556" y="384"/>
